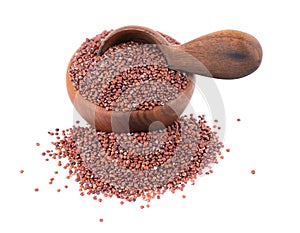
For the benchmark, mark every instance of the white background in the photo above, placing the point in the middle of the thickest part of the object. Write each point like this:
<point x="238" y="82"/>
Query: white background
<point x="37" y="40"/>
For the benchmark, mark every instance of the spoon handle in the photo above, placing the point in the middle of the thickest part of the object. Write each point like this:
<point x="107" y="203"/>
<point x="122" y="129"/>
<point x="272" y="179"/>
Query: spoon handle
<point x="226" y="54"/>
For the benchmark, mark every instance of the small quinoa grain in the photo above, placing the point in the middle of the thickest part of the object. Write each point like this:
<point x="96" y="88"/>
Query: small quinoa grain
<point x="253" y="172"/>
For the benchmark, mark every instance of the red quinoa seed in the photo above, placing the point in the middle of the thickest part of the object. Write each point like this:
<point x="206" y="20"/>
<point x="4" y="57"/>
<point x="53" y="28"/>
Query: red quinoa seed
<point x="82" y="167"/>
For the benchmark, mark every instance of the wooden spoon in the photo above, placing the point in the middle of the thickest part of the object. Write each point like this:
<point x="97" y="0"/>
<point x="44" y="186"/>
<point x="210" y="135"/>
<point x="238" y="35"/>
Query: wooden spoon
<point x="226" y="54"/>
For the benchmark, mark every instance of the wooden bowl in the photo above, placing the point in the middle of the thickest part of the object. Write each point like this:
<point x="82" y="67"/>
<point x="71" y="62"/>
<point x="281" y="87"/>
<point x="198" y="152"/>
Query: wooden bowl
<point x="134" y="121"/>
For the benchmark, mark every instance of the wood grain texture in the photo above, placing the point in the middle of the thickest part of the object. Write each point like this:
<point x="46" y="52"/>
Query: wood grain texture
<point x="226" y="54"/>
<point x="131" y="33"/>
<point x="134" y="121"/>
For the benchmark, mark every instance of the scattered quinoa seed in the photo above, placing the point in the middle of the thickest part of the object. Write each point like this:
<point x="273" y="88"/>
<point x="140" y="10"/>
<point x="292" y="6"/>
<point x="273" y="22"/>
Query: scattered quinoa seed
<point x="36" y="189"/>
<point x="88" y="153"/>
<point x="21" y="171"/>
<point x="253" y="172"/>
<point x="228" y="150"/>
